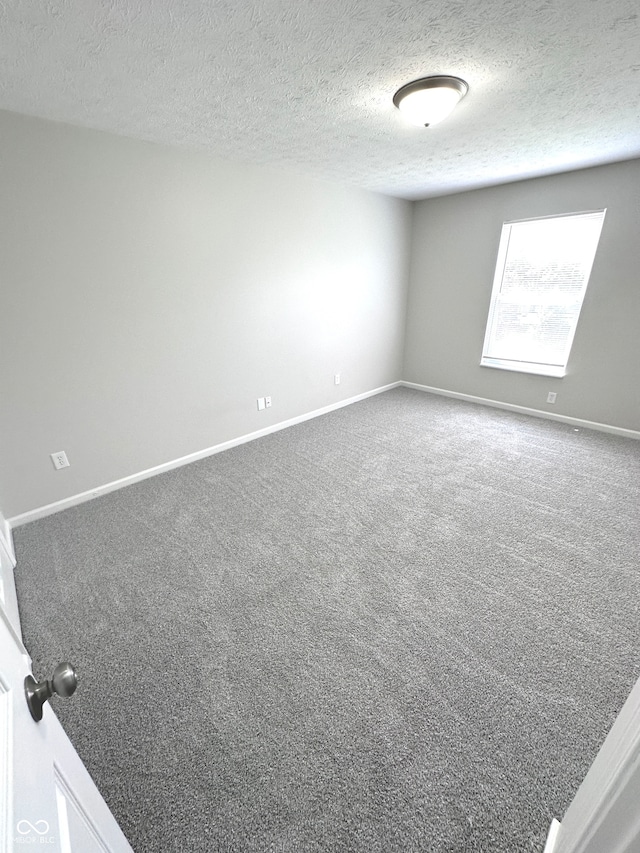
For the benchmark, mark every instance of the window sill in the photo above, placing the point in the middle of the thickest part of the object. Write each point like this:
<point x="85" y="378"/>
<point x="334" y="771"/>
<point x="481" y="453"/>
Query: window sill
<point x="525" y="367"/>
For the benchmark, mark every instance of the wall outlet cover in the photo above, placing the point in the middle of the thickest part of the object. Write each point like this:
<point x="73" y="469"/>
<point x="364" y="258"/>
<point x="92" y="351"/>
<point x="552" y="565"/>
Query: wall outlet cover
<point x="59" y="460"/>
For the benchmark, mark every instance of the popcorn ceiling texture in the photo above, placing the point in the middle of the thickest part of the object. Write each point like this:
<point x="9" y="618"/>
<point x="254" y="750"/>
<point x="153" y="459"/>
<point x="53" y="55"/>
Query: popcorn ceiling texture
<point x="308" y="85"/>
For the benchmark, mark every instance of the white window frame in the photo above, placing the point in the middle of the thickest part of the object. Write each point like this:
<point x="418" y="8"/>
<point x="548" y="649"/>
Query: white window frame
<point x="540" y="368"/>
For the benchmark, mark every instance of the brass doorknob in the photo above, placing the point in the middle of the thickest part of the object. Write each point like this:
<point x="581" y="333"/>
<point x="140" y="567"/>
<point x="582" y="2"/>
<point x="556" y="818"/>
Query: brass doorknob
<point x="63" y="683"/>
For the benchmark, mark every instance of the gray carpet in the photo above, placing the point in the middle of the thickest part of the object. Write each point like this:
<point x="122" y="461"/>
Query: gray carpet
<point x="404" y="626"/>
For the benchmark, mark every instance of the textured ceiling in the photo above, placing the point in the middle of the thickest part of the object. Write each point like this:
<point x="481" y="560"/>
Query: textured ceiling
<point x="307" y="84"/>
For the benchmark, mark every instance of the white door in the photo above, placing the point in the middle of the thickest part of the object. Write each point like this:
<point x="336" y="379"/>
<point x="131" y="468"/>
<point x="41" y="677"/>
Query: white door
<point x="48" y="801"/>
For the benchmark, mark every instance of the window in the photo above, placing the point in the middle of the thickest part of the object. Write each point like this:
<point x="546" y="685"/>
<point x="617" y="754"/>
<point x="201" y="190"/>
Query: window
<point x="541" y="277"/>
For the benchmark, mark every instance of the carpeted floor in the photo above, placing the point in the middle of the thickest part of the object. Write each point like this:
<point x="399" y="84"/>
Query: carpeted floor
<point x="404" y="626"/>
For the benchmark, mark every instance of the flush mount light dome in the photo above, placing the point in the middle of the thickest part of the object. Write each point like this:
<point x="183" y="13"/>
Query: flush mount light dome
<point x="430" y="100"/>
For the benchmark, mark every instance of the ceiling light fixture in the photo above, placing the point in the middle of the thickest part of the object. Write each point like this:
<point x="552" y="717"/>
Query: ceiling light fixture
<point x="430" y="100"/>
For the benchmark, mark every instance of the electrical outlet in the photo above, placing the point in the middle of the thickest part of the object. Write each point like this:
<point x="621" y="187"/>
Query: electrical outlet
<point x="551" y="397"/>
<point x="267" y="402"/>
<point x="336" y="378"/>
<point x="260" y="403"/>
<point x="59" y="460"/>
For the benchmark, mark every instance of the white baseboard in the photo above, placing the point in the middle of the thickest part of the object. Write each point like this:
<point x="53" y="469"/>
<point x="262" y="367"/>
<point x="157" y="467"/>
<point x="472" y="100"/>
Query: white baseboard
<point x="552" y="837"/>
<point x="74" y="500"/>
<point x="6" y="539"/>
<point x="524" y="410"/>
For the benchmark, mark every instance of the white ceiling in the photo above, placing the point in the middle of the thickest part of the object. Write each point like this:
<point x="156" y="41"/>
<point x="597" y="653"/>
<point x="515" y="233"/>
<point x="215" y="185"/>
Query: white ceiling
<point x="307" y="84"/>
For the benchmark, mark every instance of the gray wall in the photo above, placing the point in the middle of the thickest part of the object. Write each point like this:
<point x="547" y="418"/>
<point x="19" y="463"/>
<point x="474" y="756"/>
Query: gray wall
<point x="454" y="248"/>
<point x="149" y="295"/>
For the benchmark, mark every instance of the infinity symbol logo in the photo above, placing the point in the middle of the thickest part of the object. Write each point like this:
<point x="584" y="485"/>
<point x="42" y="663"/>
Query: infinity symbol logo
<point x="41" y="827"/>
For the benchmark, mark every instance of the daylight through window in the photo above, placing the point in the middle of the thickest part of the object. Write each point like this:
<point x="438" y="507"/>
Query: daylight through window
<point x="541" y="277"/>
